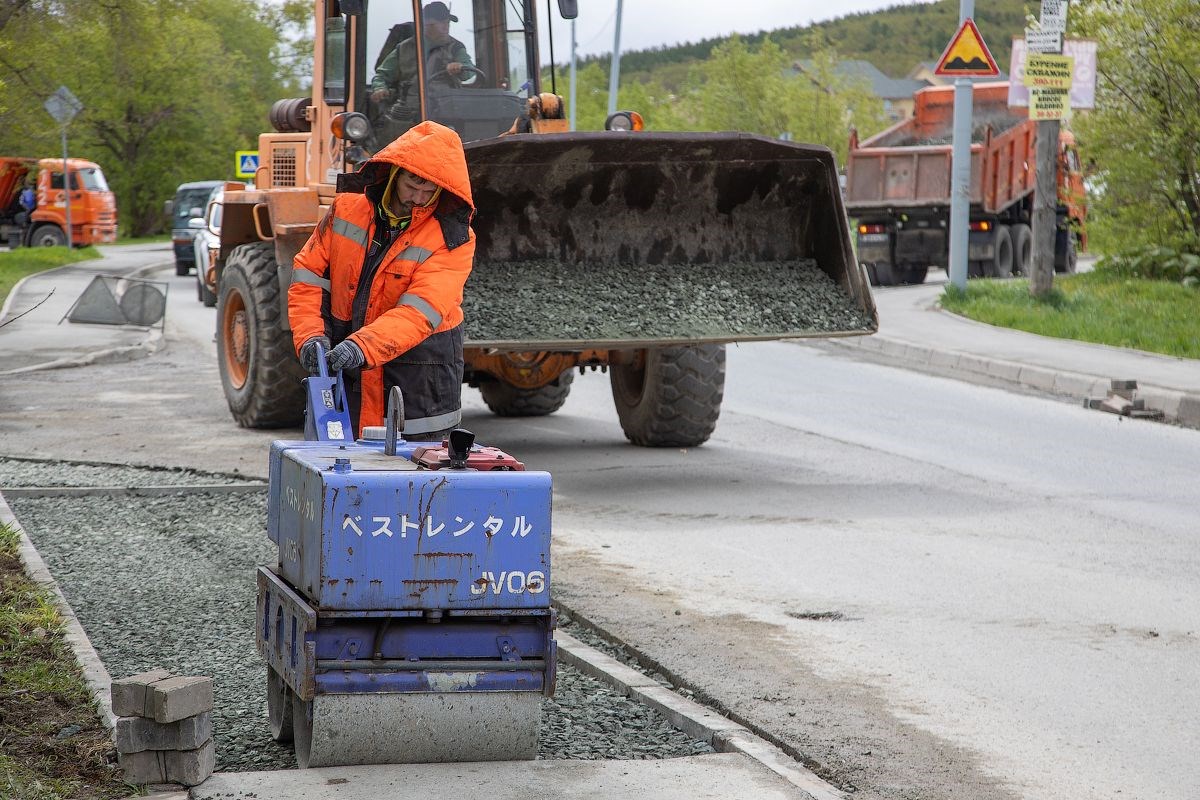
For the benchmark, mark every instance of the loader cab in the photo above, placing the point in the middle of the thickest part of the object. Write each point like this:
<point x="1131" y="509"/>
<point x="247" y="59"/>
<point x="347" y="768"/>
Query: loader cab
<point x="395" y="60"/>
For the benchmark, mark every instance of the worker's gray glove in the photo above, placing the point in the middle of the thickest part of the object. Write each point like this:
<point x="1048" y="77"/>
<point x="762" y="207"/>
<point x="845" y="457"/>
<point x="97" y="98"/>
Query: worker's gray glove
<point x="345" y="356"/>
<point x="308" y="353"/>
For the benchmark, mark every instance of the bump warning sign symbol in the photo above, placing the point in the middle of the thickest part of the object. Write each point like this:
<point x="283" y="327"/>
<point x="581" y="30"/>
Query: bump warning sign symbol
<point x="967" y="54"/>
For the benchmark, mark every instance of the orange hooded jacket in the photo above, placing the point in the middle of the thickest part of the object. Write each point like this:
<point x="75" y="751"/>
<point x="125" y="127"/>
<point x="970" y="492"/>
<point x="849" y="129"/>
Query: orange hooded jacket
<point x="407" y="320"/>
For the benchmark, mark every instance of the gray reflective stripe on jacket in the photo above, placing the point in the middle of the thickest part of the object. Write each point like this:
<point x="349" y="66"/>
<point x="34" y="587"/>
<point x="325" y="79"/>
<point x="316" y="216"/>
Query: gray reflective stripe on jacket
<point x="421" y="304"/>
<point x="306" y="276"/>
<point x="414" y="253"/>
<point x="351" y="231"/>
<point x="414" y="427"/>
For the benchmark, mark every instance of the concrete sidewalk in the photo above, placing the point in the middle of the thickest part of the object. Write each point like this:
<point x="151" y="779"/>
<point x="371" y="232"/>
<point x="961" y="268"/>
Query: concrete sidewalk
<point x="34" y="335"/>
<point x="915" y="332"/>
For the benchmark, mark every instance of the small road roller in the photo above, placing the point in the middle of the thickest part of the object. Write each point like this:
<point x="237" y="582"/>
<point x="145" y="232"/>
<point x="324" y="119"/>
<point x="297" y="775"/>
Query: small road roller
<point x="408" y="616"/>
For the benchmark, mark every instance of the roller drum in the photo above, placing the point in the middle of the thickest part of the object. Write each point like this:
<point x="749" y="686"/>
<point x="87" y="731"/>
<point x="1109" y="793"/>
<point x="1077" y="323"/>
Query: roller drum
<point x="426" y="727"/>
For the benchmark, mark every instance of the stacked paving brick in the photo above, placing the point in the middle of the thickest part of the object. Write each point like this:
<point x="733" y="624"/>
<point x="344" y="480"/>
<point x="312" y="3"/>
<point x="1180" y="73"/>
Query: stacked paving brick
<point x="164" y="728"/>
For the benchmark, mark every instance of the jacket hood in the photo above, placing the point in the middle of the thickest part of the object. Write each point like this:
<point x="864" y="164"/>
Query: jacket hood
<point x="428" y="149"/>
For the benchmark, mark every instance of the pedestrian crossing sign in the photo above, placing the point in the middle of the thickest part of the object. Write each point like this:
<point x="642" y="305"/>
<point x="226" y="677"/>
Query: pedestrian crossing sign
<point x="246" y="162"/>
<point x="967" y="54"/>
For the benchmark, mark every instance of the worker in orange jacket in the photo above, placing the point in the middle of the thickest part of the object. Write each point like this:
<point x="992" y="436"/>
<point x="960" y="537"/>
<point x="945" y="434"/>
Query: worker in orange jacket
<point x="381" y="281"/>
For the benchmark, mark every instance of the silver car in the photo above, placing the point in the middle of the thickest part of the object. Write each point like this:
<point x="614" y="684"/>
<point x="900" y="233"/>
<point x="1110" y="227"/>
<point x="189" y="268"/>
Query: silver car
<point x="206" y="245"/>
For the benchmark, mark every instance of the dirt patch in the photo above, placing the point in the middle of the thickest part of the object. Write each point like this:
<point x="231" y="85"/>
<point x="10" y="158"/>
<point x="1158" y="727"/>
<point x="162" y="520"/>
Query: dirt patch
<point x="52" y="744"/>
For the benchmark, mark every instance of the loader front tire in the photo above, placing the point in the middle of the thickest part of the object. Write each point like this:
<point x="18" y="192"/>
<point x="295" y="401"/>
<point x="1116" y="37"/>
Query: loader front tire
<point x="671" y="397"/>
<point x="506" y="400"/>
<point x="260" y="373"/>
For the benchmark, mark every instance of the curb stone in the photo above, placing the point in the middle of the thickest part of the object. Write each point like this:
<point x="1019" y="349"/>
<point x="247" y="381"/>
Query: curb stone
<point x="94" y="672"/>
<point x="1179" y="407"/>
<point x="694" y="719"/>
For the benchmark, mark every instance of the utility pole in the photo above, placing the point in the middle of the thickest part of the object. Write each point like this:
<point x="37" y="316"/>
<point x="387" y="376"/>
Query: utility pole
<point x="1047" y="104"/>
<point x="614" y="72"/>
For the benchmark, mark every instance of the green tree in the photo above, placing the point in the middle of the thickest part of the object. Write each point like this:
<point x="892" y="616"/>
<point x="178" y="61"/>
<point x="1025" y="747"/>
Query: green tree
<point x="1142" y="134"/>
<point x="196" y="87"/>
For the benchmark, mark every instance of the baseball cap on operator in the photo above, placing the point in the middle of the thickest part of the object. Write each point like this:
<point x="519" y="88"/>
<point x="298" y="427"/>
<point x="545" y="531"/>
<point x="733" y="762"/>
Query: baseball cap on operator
<point x="438" y="12"/>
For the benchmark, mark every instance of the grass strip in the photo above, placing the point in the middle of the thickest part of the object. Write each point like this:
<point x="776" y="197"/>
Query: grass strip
<point x="1096" y="307"/>
<point x="16" y="264"/>
<point x="52" y="743"/>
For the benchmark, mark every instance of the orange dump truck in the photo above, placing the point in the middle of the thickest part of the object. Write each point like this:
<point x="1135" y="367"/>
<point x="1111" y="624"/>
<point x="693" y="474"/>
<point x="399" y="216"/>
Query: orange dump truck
<point x="898" y="188"/>
<point x="93" y="206"/>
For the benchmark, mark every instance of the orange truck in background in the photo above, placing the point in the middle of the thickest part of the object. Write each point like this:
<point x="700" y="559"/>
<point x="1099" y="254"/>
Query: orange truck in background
<point x="93" y="206"/>
<point x="898" y="188"/>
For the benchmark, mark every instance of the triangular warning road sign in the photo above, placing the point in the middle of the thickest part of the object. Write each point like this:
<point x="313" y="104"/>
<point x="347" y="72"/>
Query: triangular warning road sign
<point x="967" y="54"/>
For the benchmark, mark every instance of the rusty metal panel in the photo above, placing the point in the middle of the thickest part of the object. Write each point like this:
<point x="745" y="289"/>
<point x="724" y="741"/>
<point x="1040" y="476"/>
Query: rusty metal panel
<point x="933" y="176"/>
<point x="865" y="177"/>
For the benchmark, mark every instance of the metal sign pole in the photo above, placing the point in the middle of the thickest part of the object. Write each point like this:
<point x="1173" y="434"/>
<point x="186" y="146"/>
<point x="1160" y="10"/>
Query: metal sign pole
<point x="960" y="168"/>
<point x="63" y="106"/>
<point x="573" y="64"/>
<point x="67" y="187"/>
<point x="614" y="72"/>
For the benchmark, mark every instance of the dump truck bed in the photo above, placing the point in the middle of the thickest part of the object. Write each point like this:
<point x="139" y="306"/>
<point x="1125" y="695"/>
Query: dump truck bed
<point x="619" y="240"/>
<point x="908" y="165"/>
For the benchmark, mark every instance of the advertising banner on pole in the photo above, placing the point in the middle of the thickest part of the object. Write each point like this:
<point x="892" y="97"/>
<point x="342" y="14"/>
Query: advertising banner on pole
<point x="1083" y="78"/>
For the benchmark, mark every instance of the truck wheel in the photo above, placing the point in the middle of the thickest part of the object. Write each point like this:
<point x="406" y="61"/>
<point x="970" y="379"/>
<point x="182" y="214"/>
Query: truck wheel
<point x="671" y="397"/>
<point x="259" y="369"/>
<point x="880" y="274"/>
<point x="48" y="236"/>
<point x="1001" y="265"/>
<point x="506" y="400"/>
<point x="182" y="268"/>
<point x="1066" y="251"/>
<point x="915" y="274"/>
<point x="1022" y="237"/>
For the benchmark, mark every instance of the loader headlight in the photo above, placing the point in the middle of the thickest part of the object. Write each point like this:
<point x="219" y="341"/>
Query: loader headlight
<point x="351" y="125"/>
<point x="624" y="121"/>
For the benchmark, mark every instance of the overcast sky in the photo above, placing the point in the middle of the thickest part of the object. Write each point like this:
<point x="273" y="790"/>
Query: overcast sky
<point x="652" y="23"/>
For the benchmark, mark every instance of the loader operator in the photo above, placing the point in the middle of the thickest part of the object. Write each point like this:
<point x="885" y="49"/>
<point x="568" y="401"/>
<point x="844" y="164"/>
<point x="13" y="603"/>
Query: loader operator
<point x="446" y="59"/>
<point x="381" y="279"/>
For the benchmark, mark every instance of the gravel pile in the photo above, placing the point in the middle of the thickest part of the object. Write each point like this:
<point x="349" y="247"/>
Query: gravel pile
<point x="553" y="300"/>
<point x="169" y="582"/>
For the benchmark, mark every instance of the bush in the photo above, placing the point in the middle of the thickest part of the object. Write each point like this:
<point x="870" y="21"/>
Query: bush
<point x="1154" y="262"/>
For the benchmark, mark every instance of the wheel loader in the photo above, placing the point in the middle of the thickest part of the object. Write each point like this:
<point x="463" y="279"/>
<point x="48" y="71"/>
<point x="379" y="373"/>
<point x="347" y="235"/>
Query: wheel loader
<point x="595" y="238"/>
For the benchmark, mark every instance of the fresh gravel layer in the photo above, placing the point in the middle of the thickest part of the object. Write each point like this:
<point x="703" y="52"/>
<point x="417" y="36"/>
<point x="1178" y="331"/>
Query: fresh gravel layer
<point x="169" y="582"/>
<point x="558" y="301"/>
<point x="21" y="472"/>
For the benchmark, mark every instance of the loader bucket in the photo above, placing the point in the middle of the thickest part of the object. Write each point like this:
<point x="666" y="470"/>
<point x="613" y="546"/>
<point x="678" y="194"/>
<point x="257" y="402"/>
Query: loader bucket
<point x="657" y="214"/>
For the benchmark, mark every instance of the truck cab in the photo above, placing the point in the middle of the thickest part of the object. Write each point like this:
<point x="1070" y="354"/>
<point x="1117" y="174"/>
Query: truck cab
<point x="93" y="205"/>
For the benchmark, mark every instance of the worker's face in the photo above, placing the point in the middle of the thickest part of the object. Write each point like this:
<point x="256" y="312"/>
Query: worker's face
<point x="410" y="190"/>
<point x="437" y="30"/>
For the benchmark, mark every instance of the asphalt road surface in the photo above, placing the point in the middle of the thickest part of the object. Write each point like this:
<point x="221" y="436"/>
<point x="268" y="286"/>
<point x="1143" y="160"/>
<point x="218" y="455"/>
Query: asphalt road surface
<point x="925" y="588"/>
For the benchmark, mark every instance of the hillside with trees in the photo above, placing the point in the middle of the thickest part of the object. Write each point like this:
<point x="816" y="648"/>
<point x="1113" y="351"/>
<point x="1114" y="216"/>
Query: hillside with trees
<point x="894" y="39"/>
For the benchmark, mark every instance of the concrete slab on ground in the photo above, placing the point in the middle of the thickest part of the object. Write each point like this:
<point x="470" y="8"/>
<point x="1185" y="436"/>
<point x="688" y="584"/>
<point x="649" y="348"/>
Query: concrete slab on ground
<point x="727" y="776"/>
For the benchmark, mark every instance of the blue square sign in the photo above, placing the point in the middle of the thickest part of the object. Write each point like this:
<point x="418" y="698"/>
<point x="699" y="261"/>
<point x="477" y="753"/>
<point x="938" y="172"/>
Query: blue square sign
<point x="246" y="163"/>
